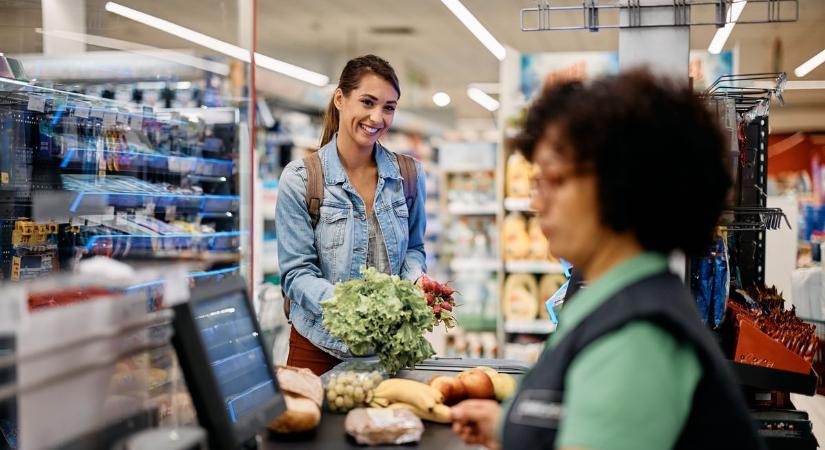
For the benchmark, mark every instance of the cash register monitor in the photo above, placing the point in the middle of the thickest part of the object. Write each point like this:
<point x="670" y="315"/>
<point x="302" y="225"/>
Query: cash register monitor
<point x="227" y="370"/>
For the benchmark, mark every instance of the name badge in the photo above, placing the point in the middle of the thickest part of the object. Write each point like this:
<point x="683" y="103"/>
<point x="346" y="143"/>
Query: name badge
<point x="541" y="408"/>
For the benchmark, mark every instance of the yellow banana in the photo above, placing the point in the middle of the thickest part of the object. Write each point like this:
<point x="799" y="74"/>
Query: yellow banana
<point x="397" y="390"/>
<point x="440" y="413"/>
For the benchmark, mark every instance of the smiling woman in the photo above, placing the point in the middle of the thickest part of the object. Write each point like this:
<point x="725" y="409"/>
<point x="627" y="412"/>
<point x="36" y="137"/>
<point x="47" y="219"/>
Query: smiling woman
<point x="351" y="204"/>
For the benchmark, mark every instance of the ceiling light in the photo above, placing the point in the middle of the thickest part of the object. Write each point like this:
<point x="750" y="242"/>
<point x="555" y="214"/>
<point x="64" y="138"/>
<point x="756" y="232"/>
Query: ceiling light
<point x="810" y="64"/>
<point x="219" y="46"/>
<point x="489" y="103"/>
<point x="722" y="34"/>
<point x="798" y="85"/>
<point x="469" y="20"/>
<point x="441" y="99"/>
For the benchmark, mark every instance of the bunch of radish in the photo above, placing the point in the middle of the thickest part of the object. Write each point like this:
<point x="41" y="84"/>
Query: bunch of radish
<point x="440" y="299"/>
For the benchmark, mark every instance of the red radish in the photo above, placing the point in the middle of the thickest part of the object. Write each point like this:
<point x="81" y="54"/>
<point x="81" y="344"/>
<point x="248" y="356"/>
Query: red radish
<point x="447" y="306"/>
<point x="437" y="309"/>
<point x="430" y="299"/>
<point x="447" y="290"/>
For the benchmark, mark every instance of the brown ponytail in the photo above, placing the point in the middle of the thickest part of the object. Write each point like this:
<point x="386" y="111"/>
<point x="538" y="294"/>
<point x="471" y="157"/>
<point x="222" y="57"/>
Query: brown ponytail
<point x="350" y="77"/>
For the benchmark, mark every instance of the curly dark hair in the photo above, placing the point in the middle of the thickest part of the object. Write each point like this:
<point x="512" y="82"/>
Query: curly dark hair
<point x="655" y="149"/>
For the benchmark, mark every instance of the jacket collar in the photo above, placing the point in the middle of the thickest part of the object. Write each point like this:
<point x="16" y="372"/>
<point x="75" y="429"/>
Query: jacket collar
<point x="334" y="172"/>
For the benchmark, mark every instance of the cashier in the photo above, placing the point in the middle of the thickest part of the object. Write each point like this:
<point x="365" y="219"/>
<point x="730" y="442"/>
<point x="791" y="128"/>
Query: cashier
<point x="631" y="169"/>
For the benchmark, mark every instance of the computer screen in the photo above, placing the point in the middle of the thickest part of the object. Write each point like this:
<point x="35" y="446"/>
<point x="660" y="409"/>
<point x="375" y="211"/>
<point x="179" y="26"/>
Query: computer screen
<point x="235" y="355"/>
<point x="227" y="369"/>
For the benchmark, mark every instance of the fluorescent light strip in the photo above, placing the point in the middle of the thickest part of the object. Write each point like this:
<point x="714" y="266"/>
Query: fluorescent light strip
<point x="219" y="46"/>
<point x="469" y="20"/>
<point x="722" y="34"/>
<point x="285" y="68"/>
<point x="810" y="64"/>
<point x="140" y="49"/>
<point x="487" y="102"/>
<point x="798" y="85"/>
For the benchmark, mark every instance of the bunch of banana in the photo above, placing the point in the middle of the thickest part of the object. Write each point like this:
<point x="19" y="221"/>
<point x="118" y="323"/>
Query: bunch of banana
<point x="424" y="401"/>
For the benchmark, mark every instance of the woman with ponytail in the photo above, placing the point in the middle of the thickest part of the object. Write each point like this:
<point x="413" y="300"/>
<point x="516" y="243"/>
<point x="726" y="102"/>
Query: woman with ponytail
<point x="348" y="206"/>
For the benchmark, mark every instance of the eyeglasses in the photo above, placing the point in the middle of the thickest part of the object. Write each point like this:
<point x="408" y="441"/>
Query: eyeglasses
<point x="548" y="181"/>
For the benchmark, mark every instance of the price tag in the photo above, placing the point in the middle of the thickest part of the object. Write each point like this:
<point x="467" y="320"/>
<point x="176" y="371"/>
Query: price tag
<point x="81" y="111"/>
<point x="148" y="113"/>
<point x="37" y="103"/>
<point x="14" y="309"/>
<point x="96" y="113"/>
<point x="78" y="221"/>
<point x="170" y="213"/>
<point x="122" y="117"/>
<point x="136" y="121"/>
<point x="109" y="118"/>
<point x="4" y="177"/>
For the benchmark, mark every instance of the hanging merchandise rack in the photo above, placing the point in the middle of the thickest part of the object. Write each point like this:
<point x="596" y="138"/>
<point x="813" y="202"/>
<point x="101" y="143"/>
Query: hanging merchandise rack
<point x="754" y="219"/>
<point x="752" y="93"/>
<point x="590" y="14"/>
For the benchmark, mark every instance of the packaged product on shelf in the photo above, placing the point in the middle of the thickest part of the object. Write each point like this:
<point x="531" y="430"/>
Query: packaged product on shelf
<point x="518" y="175"/>
<point x="515" y="240"/>
<point x="539" y="250"/>
<point x="549" y="285"/>
<point x="520" y="294"/>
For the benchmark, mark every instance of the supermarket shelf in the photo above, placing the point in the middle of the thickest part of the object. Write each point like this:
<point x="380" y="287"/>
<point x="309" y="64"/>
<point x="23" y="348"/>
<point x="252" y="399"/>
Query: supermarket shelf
<point x="533" y="267"/>
<point x="227" y="240"/>
<point x="775" y="379"/>
<point x="529" y="326"/>
<point x="467" y="169"/>
<point x="155" y="161"/>
<point x="475" y="264"/>
<point x="517" y="204"/>
<point x="205" y="203"/>
<point x="472" y="210"/>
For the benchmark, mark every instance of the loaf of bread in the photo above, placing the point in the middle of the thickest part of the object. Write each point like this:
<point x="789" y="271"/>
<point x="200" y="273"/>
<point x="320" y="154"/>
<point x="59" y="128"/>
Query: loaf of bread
<point x="303" y="396"/>
<point x="379" y="426"/>
<point x="302" y="414"/>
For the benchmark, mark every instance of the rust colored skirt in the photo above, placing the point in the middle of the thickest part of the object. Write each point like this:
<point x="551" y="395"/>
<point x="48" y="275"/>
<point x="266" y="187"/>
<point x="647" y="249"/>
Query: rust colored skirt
<point x="303" y="353"/>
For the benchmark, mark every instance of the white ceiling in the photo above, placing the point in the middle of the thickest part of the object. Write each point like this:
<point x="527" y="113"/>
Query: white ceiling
<point x="439" y="54"/>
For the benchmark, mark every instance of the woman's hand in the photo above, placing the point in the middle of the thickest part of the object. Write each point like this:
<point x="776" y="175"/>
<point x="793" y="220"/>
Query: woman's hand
<point x="475" y="422"/>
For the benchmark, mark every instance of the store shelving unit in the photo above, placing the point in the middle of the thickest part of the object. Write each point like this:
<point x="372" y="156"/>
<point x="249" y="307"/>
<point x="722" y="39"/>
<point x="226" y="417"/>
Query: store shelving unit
<point x="537" y="267"/>
<point x="83" y="176"/>
<point x="517" y="205"/>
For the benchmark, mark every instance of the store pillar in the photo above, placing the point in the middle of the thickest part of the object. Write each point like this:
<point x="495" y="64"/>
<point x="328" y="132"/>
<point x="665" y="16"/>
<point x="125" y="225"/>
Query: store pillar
<point x="63" y="15"/>
<point x="664" y="50"/>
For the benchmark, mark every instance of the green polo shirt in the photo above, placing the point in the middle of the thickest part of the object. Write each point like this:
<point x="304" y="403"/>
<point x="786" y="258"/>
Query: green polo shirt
<point x="633" y="388"/>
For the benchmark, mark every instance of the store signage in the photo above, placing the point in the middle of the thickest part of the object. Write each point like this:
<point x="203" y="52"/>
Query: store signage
<point x="540" y="70"/>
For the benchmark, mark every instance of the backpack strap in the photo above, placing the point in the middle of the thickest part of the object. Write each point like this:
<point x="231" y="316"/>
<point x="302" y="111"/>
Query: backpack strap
<point x="408" y="171"/>
<point x="315" y="187"/>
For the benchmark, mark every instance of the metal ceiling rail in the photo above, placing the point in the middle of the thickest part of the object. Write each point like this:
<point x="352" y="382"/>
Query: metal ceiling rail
<point x="542" y="17"/>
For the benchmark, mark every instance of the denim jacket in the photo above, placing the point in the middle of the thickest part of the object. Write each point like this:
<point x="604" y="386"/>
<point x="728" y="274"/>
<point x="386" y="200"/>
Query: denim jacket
<point x="312" y="261"/>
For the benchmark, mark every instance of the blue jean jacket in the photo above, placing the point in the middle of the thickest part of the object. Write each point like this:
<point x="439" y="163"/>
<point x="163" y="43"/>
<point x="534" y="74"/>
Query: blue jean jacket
<point x="312" y="261"/>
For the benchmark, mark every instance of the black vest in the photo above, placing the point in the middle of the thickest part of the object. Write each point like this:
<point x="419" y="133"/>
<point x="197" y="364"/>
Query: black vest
<point x="719" y="418"/>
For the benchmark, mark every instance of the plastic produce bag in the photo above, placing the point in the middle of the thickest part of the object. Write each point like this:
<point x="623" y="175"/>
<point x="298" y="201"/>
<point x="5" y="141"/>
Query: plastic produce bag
<point x="350" y="385"/>
<point x="721" y="282"/>
<point x="379" y="426"/>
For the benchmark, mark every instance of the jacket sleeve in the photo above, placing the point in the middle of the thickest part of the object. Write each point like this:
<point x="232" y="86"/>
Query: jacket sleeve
<point x="415" y="260"/>
<point x="297" y="256"/>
